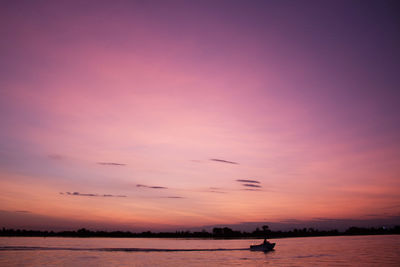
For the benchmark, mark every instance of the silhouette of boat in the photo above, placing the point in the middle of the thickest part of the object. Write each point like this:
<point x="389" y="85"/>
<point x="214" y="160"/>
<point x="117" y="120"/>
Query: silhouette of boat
<point x="265" y="246"/>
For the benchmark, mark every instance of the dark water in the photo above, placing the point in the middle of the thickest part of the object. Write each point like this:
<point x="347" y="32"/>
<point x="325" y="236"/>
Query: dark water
<point x="312" y="251"/>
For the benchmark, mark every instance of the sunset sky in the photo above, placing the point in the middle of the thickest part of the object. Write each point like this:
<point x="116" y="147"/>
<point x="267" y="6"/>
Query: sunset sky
<point x="171" y="114"/>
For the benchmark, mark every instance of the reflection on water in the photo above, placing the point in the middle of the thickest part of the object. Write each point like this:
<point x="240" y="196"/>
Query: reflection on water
<point x="319" y="251"/>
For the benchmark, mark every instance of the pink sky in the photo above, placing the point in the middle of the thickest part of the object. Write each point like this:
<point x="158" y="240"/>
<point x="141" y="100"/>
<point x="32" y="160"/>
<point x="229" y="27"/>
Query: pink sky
<point x="136" y="101"/>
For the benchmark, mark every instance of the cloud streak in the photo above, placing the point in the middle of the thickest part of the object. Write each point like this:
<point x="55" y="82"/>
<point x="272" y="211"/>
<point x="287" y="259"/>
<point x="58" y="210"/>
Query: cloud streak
<point x="151" y="187"/>
<point x="252" y="185"/>
<point x="90" y="195"/>
<point x="251" y="189"/>
<point x="224" y="161"/>
<point x="111" y="163"/>
<point x="247" y="181"/>
<point x="216" y="190"/>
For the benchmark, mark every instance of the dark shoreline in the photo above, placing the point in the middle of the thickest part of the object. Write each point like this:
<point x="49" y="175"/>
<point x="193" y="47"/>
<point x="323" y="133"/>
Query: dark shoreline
<point x="217" y="233"/>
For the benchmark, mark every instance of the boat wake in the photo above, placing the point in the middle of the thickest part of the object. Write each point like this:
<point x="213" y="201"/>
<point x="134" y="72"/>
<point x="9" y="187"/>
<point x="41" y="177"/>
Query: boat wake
<point x="22" y="248"/>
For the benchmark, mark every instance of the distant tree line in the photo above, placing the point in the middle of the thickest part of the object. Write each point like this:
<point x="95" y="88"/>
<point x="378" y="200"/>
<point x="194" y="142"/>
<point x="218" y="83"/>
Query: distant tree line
<point x="217" y="233"/>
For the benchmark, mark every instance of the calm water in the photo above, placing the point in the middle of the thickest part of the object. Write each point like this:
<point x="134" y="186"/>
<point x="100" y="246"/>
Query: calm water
<point x="312" y="251"/>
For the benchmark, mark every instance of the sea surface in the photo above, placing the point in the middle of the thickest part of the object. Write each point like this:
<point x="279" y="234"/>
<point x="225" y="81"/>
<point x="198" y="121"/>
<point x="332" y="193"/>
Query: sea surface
<point x="310" y="251"/>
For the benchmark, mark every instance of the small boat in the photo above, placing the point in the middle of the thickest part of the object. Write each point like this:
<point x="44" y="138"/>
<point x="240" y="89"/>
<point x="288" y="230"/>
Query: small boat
<point x="265" y="246"/>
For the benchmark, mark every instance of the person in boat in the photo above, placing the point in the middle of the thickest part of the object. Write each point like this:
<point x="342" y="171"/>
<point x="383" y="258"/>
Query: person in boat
<point x="265" y="241"/>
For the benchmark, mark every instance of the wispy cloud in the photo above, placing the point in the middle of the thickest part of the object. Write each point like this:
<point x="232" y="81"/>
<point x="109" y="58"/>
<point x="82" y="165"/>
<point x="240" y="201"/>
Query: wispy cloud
<point x="176" y="197"/>
<point x="216" y="190"/>
<point x="251" y="189"/>
<point x="22" y="211"/>
<point x="111" y="163"/>
<point x="151" y="186"/>
<point x="90" y="195"/>
<point x="248" y="181"/>
<point x="252" y="185"/>
<point x="224" y="161"/>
